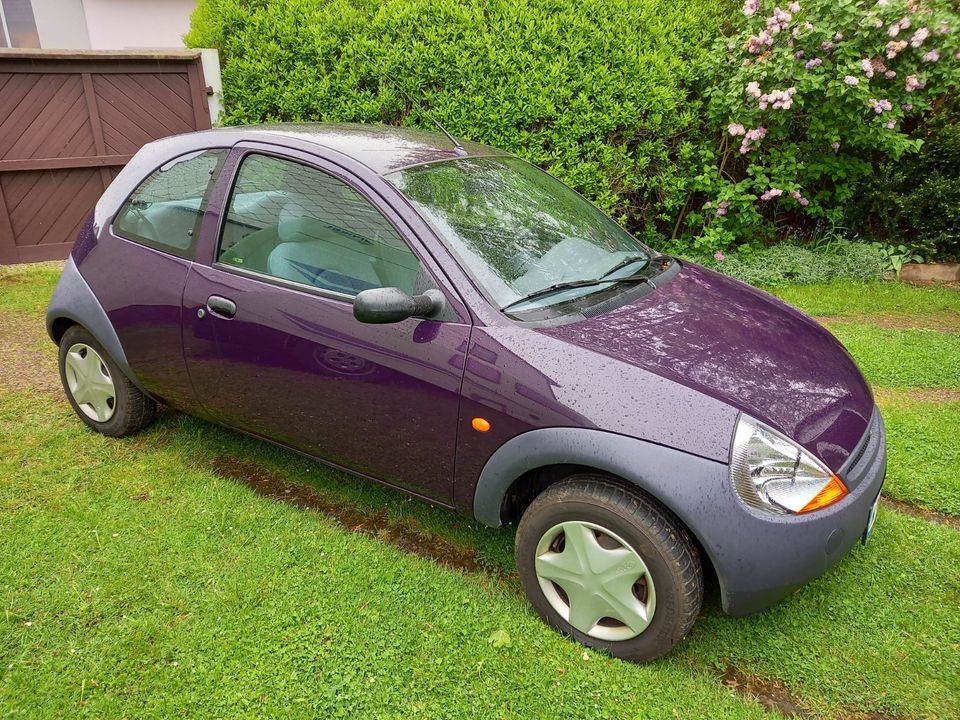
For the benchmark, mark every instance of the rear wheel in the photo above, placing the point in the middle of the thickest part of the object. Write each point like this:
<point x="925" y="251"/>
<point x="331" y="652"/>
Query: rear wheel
<point x="609" y="567"/>
<point x="101" y="395"/>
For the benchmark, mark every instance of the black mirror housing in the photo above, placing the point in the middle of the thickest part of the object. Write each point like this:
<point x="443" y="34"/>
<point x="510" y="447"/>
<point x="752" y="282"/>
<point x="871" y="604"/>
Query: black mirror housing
<point x="391" y="305"/>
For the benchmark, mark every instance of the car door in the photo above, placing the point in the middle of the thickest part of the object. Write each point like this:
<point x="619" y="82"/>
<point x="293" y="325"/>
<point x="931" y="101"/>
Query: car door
<point x="271" y="342"/>
<point x="138" y="267"/>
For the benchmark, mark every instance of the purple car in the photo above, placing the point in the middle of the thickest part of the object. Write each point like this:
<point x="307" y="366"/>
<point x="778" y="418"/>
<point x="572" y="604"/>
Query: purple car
<point x="445" y="318"/>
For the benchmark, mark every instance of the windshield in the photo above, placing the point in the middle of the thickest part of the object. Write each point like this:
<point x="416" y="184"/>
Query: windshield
<point x="521" y="232"/>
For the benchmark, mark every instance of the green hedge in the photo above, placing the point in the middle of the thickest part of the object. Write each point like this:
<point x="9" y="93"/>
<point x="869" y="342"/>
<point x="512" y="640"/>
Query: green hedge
<point x="916" y="200"/>
<point x="598" y="92"/>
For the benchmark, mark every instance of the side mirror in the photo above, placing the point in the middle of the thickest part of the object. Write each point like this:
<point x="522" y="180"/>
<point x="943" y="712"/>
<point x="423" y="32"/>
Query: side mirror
<point x="390" y="305"/>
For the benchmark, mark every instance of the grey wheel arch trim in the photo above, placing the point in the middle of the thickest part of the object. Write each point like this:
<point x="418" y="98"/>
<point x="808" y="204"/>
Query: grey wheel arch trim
<point x="692" y="487"/>
<point x="671" y="476"/>
<point x="74" y="300"/>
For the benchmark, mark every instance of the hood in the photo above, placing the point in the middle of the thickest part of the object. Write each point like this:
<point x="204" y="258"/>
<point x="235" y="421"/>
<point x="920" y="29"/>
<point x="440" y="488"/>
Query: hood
<point x="744" y="347"/>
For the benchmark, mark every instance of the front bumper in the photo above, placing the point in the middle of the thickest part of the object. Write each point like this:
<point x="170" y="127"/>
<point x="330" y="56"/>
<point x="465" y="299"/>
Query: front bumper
<point x="764" y="557"/>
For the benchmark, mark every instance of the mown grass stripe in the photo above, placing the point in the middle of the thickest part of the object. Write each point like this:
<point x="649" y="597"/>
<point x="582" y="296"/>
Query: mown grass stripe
<point x="903" y="358"/>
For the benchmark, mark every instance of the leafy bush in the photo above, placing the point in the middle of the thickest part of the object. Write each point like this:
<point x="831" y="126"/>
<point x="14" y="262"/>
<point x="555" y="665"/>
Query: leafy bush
<point x="787" y="263"/>
<point x="598" y="92"/>
<point x="806" y="100"/>
<point x="917" y="200"/>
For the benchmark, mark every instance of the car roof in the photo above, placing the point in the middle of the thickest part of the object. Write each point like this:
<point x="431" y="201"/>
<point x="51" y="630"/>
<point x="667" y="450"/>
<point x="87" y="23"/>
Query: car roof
<point x="382" y="148"/>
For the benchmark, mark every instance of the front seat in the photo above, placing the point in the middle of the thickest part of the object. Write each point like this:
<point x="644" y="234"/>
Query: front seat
<point x="318" y="253"/>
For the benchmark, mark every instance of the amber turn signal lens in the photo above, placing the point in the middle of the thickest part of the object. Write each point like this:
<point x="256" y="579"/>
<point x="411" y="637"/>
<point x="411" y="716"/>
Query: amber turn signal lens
<point x="832" y="491"/>
<point x="480" y="424"/>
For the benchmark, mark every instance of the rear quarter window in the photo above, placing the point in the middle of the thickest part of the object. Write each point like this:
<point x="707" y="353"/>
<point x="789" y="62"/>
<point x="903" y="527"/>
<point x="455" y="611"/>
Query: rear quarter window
<point x="166" y="209"/>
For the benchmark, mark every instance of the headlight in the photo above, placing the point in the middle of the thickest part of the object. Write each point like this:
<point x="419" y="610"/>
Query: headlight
<point x="770" y="472"/>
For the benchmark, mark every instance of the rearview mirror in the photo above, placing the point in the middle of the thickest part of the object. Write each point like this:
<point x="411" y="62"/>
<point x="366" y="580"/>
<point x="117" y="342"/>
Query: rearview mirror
<point x="390" y="305"/>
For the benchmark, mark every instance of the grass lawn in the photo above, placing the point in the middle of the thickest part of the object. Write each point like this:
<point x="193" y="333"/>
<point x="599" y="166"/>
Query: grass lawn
<point x="140" y="578"/>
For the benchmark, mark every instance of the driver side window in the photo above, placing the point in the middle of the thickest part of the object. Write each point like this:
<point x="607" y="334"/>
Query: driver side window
<point x="300" y="224"/>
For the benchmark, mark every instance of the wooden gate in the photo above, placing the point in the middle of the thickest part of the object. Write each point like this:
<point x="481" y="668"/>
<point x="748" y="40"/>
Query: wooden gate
<point x="68" y="122"/>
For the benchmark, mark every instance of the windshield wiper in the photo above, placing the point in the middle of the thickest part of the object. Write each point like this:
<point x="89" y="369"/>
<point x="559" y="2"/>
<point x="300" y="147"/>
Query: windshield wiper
<point x="556" y="287"/>
<point x="630" y="260"/>
<point x="550" y="289"/>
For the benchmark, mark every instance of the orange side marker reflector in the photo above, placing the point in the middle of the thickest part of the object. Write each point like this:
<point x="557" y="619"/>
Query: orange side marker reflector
<point x="832" y="491"/>
<point x="480" y="424"/>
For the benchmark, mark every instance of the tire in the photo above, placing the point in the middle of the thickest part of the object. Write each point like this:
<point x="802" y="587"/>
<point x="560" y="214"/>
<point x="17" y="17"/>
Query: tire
<point x="627" y="527"/>
<point x="88" y="370"/>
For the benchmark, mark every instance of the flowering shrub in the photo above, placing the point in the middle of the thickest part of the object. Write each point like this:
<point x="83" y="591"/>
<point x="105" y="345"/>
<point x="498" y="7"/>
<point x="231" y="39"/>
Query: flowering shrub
<point x="804" y="101"/>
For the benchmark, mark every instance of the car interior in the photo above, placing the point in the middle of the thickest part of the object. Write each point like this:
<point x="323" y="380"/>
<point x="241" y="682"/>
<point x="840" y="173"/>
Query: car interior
<point x="273" y="233"/>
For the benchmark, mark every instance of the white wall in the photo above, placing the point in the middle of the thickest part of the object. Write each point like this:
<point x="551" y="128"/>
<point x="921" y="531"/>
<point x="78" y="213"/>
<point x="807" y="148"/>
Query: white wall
<point x="118" y="24"/>
<point x="61" y="24"/>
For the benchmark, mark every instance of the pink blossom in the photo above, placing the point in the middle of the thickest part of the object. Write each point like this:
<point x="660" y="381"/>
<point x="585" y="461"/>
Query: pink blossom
<point x="756" y="43"/>
<point x="811" y="64"/>
<point x="851" y="80"/>
<point x="918" y="37"/>
<point x="795" y="194"/>
<point x="799" y="54"/>
<point x="827" y="46"/>
<point x="752" y="136"/>
<point x="931" y="56"/>
<point x="890" y="124"/>
<point x="771" y="193"/>
<point x="880" y="106"/>
<point x="722" y="208"/>
<point x="753" y="88"/>
<point x="904" y="23"/>
<point x="943" y="29"/>
<point x="867" y="67"/>
<point x="907" y="107"/>
<point x="750" y="7"/>
<point x="719" y="256"/>
<point x="838" y="36"/>
<point x="779" y="99"/>
<point x="913" y="83"/>
<point x="835" y="145"/>
<point x="794" y="7"/>
<point x="894" y="30"/>
<point x="736" y="129"/>
<point x="895" y="48"/>
<point x="890" y="74"/>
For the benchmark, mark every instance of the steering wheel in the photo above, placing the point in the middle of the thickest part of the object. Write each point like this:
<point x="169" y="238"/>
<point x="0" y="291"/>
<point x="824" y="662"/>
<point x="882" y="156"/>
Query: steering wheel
<point x="142" y="218"/>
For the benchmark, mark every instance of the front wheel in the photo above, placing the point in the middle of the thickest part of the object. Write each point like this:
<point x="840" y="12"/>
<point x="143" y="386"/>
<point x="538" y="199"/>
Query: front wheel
<point x="609" y="567"/>
<point x="101" y="395"/>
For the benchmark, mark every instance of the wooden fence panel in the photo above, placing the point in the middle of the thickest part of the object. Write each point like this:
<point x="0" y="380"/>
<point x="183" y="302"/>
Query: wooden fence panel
<point x="69" y="122"/>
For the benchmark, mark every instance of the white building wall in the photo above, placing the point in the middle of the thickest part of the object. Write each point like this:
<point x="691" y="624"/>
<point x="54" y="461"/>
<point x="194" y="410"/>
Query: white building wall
<point x="119" y="24"/>
<point x="61" y="24"/>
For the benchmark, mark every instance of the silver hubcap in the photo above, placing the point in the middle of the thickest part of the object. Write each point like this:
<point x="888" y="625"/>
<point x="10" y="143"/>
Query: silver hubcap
<point x="90" y="383"/>
<point x="595" y="581"/>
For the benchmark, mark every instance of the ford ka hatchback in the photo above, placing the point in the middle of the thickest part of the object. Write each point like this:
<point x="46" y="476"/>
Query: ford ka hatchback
<point x="447" y="319"/>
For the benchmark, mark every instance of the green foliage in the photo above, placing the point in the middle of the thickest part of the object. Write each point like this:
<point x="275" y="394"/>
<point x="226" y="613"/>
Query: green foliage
<point x="917" y="199"/>
<point x="896" y="256"/>
<point x="788" y="263"/>
<point x="804" y="102"/>
<point x="598" y="92"/>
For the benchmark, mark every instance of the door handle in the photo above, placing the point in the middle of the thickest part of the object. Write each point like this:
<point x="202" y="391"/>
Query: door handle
<point x="221" y="306"/>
